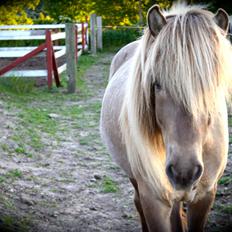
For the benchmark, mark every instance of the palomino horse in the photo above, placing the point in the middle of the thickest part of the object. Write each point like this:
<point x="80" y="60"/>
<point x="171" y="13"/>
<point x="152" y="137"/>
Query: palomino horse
<point x="164" y="116"/>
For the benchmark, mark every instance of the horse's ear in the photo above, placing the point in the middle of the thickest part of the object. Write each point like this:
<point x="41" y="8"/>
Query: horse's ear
<point x="155" y="20"/>
<point x="221" y="18"/>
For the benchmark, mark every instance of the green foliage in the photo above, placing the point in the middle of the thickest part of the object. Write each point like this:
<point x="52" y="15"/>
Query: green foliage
<point x="225" y="180"/>
<point x="18" y="85"/>
<point x="20" y="150"/>
<point x="230" y="121"/>
<point x="15" y="11"/>
<point x="85" y="61"/>
<point x="117" y="12"/>
<point x="43" y="19"/>
<point x="20" y="43"/>
<point x="120" y="12"/>
<point x="10" y="224"/>
<point x="11" y="175"/>
<point x="164" y="4"/>
<point x="39" y="118"/>
<point x="118" y="37"/>
<point x="109" y="186"/>
<point x="74" y="10"/>
<point x="227" y="209"/>
<point x="230" y="139"/>
<point x="8" y="221"/>
<point x="14" y="174"/>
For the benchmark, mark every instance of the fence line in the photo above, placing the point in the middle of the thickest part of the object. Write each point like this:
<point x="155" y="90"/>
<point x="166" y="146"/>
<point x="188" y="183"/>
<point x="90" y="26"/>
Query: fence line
<point x="38" y="26"/>
<point x="127" y="27"/>
<point x="50" y="35"/>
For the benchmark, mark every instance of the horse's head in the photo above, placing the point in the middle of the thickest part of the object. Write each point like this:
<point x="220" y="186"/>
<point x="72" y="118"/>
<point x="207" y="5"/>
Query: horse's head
<point x="184" y="133"/>
<point x="184" y="137"/>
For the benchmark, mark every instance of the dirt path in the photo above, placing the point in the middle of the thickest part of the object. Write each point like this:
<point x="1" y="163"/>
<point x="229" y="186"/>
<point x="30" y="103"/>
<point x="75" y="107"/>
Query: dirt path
<point x="55" y="173"/>
<point x="70" y="184"/>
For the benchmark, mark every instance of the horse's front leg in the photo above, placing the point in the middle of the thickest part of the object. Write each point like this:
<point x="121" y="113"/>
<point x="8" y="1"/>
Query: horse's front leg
<point x="198" y="212"/>
<point x="178" y="218"/>
<point x="156" y="212"/>
<point x="138" y="206"/>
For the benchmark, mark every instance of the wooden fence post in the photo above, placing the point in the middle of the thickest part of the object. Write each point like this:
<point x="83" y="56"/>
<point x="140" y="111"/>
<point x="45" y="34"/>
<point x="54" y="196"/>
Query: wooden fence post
<point x="70" y="56"/>
<point x="83" y="37"/>
<point x="99" y="32"/>
<point x="49" y="58"/>
<point x="76" y="43"/>
<point x="93" y="33"/>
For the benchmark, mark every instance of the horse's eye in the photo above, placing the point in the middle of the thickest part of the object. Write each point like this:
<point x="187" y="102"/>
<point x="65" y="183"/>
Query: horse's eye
<point x="157" y="86"/>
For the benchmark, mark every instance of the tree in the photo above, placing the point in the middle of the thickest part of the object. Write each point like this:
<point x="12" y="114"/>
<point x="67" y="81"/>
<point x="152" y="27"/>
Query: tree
<point x="71" y="10"/>
<point x="213" y="5"/>
<point x="116" y="12"/>
<point x="16" y="11"/>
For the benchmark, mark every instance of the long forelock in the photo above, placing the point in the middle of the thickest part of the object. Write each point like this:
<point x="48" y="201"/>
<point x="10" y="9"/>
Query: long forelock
<point x="190" y="58"/>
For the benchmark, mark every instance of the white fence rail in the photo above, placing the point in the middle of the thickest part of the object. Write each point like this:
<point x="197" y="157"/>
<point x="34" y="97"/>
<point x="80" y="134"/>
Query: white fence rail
<point x="39" y="32"/>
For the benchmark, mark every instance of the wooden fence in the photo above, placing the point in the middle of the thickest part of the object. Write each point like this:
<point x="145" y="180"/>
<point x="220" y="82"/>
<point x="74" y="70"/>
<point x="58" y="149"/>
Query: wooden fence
<point x="95" y="33"/>
<point x="49" y="36"/>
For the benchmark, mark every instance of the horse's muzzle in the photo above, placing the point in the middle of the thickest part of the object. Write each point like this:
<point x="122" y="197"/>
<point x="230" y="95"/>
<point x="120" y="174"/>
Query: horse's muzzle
<point x="182" y="178"/>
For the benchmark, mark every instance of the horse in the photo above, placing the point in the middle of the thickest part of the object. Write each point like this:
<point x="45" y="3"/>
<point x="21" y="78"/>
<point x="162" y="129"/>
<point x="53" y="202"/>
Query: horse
<point x="164" y="115"/>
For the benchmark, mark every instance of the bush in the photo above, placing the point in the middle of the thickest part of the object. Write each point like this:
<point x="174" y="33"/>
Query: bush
<point x="119" y="37"/>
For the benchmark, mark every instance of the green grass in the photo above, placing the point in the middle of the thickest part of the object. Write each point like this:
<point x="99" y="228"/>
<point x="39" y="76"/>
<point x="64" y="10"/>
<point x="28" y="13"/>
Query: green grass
<point x="84" y="140"/>
<point x="38" y="118"/>
<point x="20" y="150"/>
<point x="18" y="85"/>
<point x="5" y="147"/>
<point x="73" y="112"/>
<point x="230" y="121"/>
<point x="109" y="186"/>
<point x="10" y="223"/>
<point x="84" y="63"/>
<point x="225" y="180"/>
<point x="95" y="106"/>
<point x="32" y="107"/>
<point x="7" y="202"/>
<point x="32" y="122"/>
<point x="11" y="176"/>
<point x="227" y="209"/>
<point x="230" y="139"/>
<point x="14" y="174"/>
<point x="2" y="179"/>
<point x="106" y="185"/>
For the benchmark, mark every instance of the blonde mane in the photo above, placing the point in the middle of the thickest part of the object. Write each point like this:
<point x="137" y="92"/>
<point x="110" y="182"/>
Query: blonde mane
<point x="190" y="58"/>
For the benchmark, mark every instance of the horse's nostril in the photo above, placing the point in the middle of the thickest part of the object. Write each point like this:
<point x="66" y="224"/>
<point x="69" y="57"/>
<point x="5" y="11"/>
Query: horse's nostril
<point x="197" y="171"/>
<point x="170" y="171"/>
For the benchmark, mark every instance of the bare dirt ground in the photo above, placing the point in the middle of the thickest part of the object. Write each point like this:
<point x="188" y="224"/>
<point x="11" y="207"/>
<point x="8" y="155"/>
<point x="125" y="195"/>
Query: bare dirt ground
<point x="59" y="177"/>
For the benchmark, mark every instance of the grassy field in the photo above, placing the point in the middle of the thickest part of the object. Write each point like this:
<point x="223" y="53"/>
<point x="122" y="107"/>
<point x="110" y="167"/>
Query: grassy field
<point x="33" y="110"/>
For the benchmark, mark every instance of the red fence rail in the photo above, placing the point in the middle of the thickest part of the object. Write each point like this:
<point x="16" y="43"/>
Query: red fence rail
<point x="49" y="35"/>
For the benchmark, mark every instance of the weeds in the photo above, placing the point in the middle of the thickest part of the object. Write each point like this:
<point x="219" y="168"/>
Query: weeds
<point x="18" y="85"/>
<point x="11" y="176"/>
<point x="109" y="186"/>
<point x="10" y="224"/>
<point x="115" y="38"/>
<point x="227" y="209"/>
<point x="225" y="180"/>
